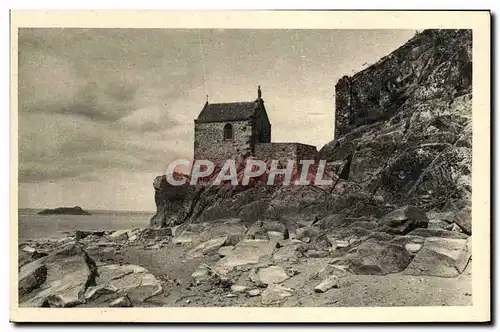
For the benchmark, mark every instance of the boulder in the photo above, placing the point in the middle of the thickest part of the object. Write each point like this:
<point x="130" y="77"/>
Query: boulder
<point x="269" y="275"/>
<point x="31" y="276"/>
<point x="403" y="220"/>
<point x="29" y="254"/>
<point x="413" y="248"/>
<point x="424" y="232"/>
<point x="202" y="274"/>
<point x="238" y="288"/>
<point x="441" y="257"/>
<point x="412" y="243"/>
<point x="275" y="294"/>
<point x="287" y="251"/>
<point x="224" y="251"/>
<point x="185" y="237"/>
<point x="253" y="292"/>
<point x="464" y="220"/>
<point x="23" y="258"/>
<point x="121" y="235"/>
<point x="341" y="243"/>
<point x="330" y="270"/>
<point x="132" y="280"/>
<point x="121" y="302"/>
<point x="244" y="253"/>
<point x="208" y="248"/>
<point x="28" y="249"/>
<point x="93" y="292"/>
<point x="377" y="257"/>
<point x="325" y="285"/>
<point x="133" y="234"/>
<point x="69" y="272"/>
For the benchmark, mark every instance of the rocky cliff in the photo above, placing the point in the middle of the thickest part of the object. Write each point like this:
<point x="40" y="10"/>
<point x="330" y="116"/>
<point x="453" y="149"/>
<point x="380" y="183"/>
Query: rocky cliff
<point x="406" y="122"/>
<point x="402" y="136"/>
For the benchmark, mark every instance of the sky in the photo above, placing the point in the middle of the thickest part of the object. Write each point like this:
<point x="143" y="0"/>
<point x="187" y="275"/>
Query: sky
<point x="103" y="111"/>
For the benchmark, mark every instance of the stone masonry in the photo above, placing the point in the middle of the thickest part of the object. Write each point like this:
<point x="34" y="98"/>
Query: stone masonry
<point x="285" y="151"/>
<point x="241" y="129"/>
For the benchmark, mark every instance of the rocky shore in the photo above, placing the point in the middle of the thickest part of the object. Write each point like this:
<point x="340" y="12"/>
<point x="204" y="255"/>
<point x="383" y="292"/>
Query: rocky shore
<point x="393" y="230"/>
<point x="405" y="258"/>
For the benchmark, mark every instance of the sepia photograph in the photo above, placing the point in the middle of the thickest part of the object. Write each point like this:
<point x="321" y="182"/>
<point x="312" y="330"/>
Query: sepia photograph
<point x="217" y="166"/>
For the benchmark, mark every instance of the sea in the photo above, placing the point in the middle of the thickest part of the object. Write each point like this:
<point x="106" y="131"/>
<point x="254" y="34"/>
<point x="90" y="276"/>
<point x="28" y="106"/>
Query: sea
<point x="35" y="227"/>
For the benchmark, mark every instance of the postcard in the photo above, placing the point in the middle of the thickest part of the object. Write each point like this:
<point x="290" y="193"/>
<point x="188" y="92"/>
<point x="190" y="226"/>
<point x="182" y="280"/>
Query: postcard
<point x="250" y="166"/>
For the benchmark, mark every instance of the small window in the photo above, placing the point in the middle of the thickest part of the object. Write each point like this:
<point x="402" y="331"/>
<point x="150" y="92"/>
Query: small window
<point x="228" y="132"/>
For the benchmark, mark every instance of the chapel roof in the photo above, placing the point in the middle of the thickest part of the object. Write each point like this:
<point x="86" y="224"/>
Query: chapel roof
<point x="226" y="112"/>
<point x="237" y="111"/>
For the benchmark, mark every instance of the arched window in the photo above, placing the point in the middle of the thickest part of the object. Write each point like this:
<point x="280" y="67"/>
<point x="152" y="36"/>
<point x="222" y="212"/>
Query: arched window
<point x="228" y="131"/>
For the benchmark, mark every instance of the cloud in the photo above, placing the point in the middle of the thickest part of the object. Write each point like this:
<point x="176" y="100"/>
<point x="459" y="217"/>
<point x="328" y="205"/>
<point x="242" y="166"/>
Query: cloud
<point x="37" y="172"/>
<point x="149" y="119"/>
<point x="50" y="84"/>
<point x="98" y="107"/>
<point x="54" y="146"/>
<point x="100" y="102"/>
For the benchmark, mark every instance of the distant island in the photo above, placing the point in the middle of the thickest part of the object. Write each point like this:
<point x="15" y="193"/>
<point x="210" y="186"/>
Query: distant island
<point x="66" y="210"/>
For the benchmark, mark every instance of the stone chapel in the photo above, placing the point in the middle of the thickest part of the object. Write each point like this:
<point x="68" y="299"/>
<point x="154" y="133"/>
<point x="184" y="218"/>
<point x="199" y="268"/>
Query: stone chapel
<point x="228" y="130"/>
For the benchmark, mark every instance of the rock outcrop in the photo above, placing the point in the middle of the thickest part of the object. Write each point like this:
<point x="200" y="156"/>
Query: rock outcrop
<point x="66" y="210"/>
<point x="441" y="257"/>
<point x="378" y="257"/>
<point x="403" y="220"/>
<point x="173" y="204"/>
<point x="404" y="123"/>
<point x="59" y="279"/>
<point x="69" y="277"/>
